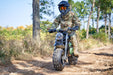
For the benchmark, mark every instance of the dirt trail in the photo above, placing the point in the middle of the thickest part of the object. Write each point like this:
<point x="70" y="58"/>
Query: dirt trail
<point x="91" y="62"/>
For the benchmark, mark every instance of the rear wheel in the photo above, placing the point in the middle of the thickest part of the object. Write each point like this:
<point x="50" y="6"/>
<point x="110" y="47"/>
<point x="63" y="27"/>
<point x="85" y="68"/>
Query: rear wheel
<point x="72" y="60"/>
<point x="58" y="62"/>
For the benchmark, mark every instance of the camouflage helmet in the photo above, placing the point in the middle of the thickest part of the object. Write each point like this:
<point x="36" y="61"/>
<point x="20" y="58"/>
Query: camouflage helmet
<point x="64" y="7"/>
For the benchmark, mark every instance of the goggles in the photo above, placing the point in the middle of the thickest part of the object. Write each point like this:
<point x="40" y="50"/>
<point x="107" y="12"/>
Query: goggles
<point x="62" y="8"/>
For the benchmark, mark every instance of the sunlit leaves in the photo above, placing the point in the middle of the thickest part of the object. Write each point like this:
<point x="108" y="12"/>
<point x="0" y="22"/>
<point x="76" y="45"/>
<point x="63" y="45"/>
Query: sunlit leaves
<point x="21" y="31"/>
<point x="46" y="8"/>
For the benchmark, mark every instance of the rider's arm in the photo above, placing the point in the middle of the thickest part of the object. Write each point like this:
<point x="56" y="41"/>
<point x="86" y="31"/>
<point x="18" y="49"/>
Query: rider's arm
<point x="56" y="23"/>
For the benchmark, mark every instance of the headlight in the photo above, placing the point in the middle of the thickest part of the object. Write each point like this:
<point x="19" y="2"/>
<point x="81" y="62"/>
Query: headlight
<point x="59" y="36"/>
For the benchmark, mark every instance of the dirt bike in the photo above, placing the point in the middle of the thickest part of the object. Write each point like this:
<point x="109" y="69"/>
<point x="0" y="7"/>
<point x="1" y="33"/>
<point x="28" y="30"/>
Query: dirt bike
<point x="63" y="49"/>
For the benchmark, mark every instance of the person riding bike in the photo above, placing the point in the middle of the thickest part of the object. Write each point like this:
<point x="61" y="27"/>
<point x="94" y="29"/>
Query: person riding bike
<point x="65" y="20"/>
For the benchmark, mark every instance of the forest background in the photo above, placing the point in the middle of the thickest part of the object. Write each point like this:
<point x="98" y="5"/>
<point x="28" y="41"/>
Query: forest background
<point x="96" y="29"/>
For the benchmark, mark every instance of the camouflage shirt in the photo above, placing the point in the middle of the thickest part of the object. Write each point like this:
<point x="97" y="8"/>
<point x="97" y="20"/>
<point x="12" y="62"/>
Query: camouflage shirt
<point x="69" y="20"/>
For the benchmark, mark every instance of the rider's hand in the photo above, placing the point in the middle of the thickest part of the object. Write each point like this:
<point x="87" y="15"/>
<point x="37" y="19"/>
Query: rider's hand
<point x="50" y="31"/>
<point x="69" y="28"/>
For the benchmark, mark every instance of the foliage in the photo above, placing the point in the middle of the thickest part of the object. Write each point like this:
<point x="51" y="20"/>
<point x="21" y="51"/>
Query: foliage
<point x="45" y="8"/>
<point x="79" y="8"/>
<point x="106" y="5"/>
<point x="17" y="42"/>
<point x="44" y="25"/>
<point x="100" y="36"/>
<point x="102" y="29"/>
<point x="82" y="34"/>
<point x="18" y="33"/>
<point x="92" y="30"/>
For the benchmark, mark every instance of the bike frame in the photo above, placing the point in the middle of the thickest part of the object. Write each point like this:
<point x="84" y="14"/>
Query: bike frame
<point x="66" y="45"/>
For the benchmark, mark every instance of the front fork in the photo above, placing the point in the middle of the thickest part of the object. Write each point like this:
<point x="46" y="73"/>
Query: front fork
<point x="66" y="45"/>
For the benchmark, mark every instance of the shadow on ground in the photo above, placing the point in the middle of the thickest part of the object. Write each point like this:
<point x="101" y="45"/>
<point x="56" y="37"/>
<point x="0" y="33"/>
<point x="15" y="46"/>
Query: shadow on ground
<point x="102" y="70"/>
<point x="46" y="67"/>
<point x="104" y="54"/>
<point x="10" y="68"/>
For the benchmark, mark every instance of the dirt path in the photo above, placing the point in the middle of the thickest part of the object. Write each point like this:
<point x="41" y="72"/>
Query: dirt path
<point x="91" y="62"/>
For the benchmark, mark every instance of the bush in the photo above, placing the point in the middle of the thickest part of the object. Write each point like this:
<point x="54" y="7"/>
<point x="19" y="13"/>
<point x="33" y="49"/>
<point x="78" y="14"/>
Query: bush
<point x="18" y="42"/>
<point x="10" y="48"/>
<point x="92" y="31"/>
<point x="81" y="34"/>
<point x="23" y="49"/>
<point x="100" y="36"/>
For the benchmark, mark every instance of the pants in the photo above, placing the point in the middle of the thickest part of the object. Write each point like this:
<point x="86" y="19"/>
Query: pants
<point x="74" y="43"/>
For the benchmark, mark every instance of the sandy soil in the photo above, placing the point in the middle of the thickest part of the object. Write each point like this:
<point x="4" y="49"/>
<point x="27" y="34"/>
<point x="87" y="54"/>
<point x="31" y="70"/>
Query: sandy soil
<point x="98" y="61"/>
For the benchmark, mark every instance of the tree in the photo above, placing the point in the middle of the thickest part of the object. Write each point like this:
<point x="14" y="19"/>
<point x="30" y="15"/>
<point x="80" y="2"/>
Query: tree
<point x="38" y="12"/>
<point x="36" y="20"/>
<point x="87" y="33"/>
<point x="109" y="34"/>
<point x="105" y="20"/>
<point x="98" y="14"/>
<point x="46" y="9"/>
<point x="109" y="13"/>
<point x="106" y="8"/>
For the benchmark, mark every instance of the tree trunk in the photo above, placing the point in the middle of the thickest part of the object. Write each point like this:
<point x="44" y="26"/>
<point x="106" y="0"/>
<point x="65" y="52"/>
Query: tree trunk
<point x="84" y="23"/>
<point x="93" y="21"/>
<point x="36" y="20"/>
<point x="105" y="19"/>
<point x="69" y="1"/>
<point x="87" y="33"/>
<point x="98" y="15"/>
<point x="109" y="35"/>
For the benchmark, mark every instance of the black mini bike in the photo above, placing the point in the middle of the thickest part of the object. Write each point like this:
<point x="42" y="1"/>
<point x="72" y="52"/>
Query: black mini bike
<point x="63" y="49"/>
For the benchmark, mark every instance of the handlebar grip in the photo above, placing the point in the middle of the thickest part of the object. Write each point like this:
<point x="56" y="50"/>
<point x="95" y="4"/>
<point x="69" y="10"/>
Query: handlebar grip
<point x="52" y="30"/>
<point x="75" y="28"/>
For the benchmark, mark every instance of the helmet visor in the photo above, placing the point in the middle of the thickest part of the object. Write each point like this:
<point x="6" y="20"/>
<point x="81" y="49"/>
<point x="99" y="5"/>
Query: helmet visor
<point x="62" y="8"/>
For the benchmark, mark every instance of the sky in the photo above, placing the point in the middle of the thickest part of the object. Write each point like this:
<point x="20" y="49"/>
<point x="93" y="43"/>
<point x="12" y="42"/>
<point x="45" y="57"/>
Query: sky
<point x="18" y="12"/>
<point x="15" y="12"/>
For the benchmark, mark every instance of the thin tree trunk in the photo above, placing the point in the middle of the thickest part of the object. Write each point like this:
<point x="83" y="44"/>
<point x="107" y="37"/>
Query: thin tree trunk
<point x="53" y="9"/>
<point x="84" y="23"/>
<point x="87" y="33"/>
<point x="109" y="35"/>
<point x="98" y="15"/>
<point x="69" y="1"/>
<point x="93" y="21"/>
<point x="105" y="19"/>
<point x="36" y="20"/>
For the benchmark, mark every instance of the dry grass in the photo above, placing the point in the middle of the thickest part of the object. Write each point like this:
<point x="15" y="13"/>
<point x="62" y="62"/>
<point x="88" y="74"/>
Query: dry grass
<point x="23" y="49"/>
<point x="86" y="44"/>
<point x="26" y="48"/>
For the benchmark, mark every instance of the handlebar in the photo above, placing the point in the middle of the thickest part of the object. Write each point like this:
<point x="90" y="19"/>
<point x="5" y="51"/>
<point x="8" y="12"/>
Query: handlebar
<point x="55" y="30"/>
<point x="61" y="30"/>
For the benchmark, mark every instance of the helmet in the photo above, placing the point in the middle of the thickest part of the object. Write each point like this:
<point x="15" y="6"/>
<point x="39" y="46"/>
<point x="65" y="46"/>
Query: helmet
<point x="64" y="7"/>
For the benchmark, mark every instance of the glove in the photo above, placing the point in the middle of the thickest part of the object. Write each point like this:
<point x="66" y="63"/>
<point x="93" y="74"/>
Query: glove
<point x="69" y="28"/>
<point x="52" y="30"/>
<point x="75" y="28"/>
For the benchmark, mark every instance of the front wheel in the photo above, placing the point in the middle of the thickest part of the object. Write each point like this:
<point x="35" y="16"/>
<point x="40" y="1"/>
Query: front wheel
<point x="58" y="62"/>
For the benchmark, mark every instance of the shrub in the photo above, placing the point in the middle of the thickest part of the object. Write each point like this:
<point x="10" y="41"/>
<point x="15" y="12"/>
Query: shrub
<point x="100" y="36"/>
<point x="92" y="31"/>
<point x="81" y="34"/>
